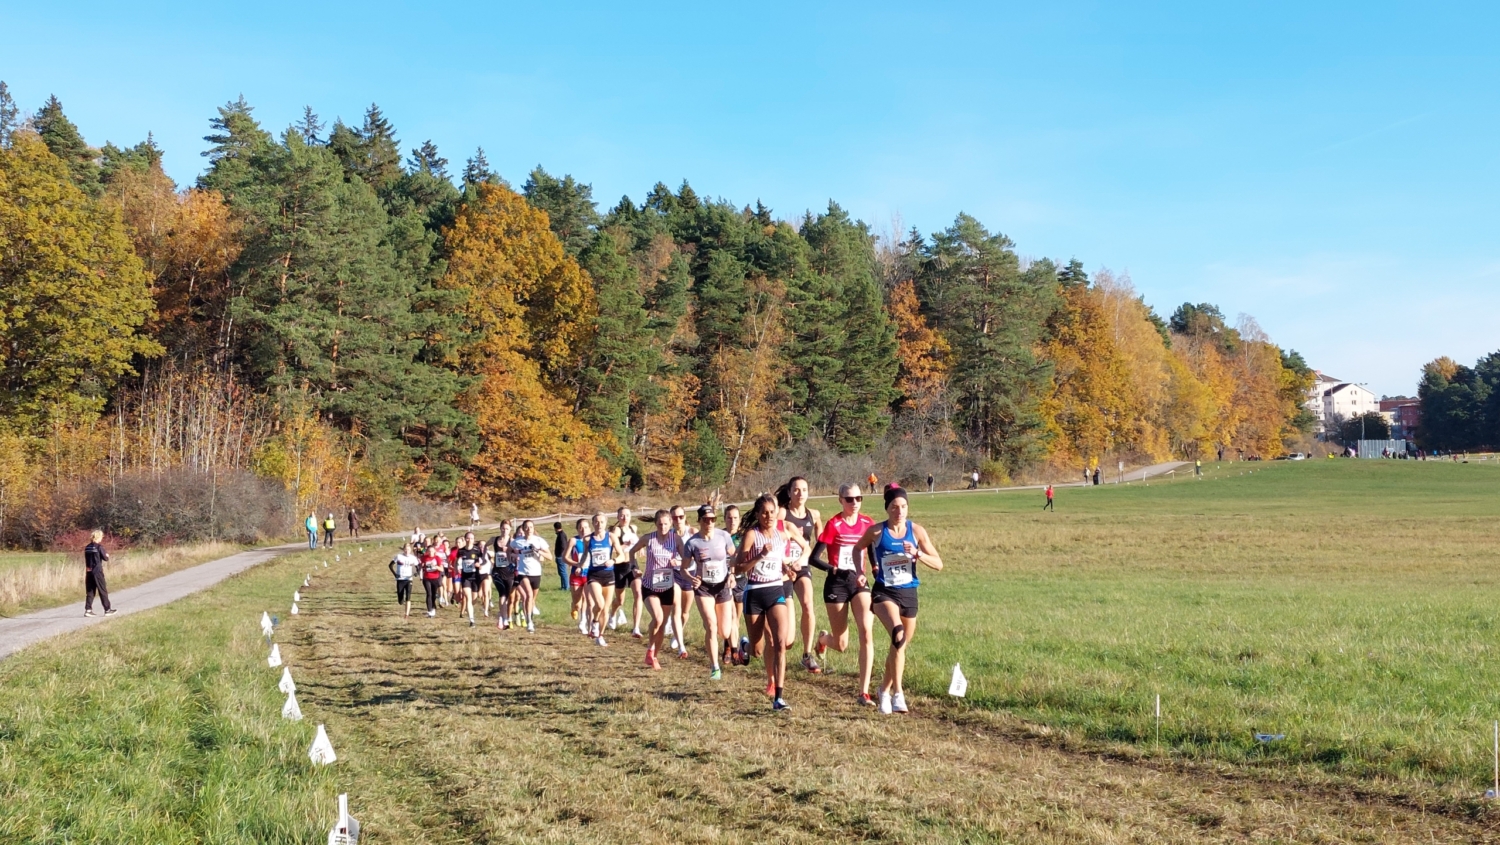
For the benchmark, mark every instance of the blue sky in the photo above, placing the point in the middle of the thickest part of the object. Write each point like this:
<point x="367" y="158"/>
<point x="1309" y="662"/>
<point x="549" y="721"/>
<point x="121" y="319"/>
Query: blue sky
<point x="1332" y="171"/>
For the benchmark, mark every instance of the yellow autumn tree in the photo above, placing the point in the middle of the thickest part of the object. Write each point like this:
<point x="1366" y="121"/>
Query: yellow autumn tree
<point x="530" y="310"/>
<point x="1143" y="353"/>
<point x="1088" y="411"/>
<point x="746" y="377"/>
<point x="922" y="355"/>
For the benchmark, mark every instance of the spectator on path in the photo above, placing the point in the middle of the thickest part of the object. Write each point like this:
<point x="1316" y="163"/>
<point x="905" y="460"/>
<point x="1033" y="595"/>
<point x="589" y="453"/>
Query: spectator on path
<point x="1048" y="506"/>
<point x="328" y="527"/>
<point x="559" y="554"/>
<point x="353" y="524"/>
<point x="974" y="480"/>
<point x="930" y="481"/>
<point x="1096" y="476"/>
<point x="474" y="515"/>
<point x="94" y="557"/>
<point x="1197" y="467"/>
<point x="312" y="531"/>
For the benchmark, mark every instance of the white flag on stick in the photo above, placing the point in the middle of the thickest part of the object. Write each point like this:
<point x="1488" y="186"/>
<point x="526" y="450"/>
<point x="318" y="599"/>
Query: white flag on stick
<point x="287" y="685"/>
<point x="959" y="686"/>
<point x="265" y="623"/>
<point x="321" y="752"/>
<point x="290" y="710"/>
<point x="346" y="829"/>
<point x="275" y="659"/>
<point x="307" y="581"/>
<point x="296" y="595"/>
<point x="294" y="608"/>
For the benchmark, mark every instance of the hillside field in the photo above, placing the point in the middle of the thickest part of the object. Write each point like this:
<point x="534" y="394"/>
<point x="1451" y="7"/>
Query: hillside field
<point x="1347" y="605"/>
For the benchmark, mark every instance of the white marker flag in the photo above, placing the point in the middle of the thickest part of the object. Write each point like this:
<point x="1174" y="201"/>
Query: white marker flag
<point x="307" y="581"/>
<point x="296" y="595"/>
<point x="287" y="685"/>
<point x="960" y="685"/>
<point x="275" y="659"/>
<point x="290" y="710"/>
<point x="325" y="564"/>
<point x="336" y="558"/>
<point x="294" y="608"/>
<point x="321" y="752"/>
<point x="346" y="829"/>
<point x="265" y="623"/>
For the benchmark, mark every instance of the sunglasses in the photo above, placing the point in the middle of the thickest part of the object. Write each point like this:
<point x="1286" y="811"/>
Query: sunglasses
<point x="853" y="498"/>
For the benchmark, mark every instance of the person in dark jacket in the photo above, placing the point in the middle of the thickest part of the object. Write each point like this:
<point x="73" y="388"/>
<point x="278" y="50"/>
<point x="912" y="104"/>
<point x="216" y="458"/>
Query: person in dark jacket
<point x="94" y="557"/>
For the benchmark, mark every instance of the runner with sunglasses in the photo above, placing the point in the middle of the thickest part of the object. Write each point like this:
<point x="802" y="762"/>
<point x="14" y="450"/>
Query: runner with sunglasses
<point x="846" y="591"/>
<point x="897" y="545"/>
<point x="711" y="553"/>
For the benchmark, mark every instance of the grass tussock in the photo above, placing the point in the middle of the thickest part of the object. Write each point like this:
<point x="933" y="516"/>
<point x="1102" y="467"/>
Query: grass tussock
<point x="32" y="581"/>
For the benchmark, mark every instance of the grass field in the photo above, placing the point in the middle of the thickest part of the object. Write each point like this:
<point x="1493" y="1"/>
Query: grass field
<point x="34" y="581"/>
<point x="1344" y="604"/>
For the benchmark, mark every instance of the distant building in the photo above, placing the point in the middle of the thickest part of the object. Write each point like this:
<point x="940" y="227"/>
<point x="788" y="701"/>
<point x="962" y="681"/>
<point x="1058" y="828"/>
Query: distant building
<point x="1404" y="414"/>
<point x="1332" y="399"/>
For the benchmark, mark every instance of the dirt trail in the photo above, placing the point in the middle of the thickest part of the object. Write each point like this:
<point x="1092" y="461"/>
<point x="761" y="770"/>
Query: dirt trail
<point x="453" y="734"/>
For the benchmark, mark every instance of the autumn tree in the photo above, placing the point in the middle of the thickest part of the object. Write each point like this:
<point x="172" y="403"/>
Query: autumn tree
<point x="75" y="296"/>
<point x="530" y="314"/>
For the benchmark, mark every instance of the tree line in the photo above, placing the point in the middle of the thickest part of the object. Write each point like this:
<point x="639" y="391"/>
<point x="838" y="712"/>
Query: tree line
<point x="354" y="322"/>
<point x="1460" y="405"/>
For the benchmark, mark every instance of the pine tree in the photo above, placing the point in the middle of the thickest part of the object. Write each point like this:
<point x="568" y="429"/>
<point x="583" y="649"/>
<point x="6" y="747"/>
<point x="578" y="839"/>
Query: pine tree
<point x="477" y="170"/>
<point x="8" y="115"/>
<point x="623" y="357"/>
<point x="235" y="140"/>
<point x="425" y="159"/>
<point x="569" y="205"/>
<point x="62" y="138"/>
<point x="310" y="127"/>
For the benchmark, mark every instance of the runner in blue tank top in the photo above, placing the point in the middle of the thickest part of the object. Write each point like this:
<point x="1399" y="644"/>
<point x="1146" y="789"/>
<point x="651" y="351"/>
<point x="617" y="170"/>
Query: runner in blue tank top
<point x="599" y="569"/>
<point x="898" y="545"/>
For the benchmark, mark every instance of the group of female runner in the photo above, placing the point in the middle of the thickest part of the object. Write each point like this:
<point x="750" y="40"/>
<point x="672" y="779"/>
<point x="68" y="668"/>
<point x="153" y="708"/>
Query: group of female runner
<point x="726" y="571"/>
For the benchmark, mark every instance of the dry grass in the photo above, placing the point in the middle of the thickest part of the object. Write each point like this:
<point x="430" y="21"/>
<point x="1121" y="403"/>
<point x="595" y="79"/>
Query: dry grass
<point x="452" y="734"/>
<point x="29" y="582"/>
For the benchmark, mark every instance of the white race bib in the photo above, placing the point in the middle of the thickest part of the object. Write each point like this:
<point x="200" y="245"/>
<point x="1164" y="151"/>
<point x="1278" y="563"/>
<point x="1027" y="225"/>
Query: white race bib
<point x="768" y="568"/>
<point x="715" y="571"/>
<point x="896" y="570"/>
<point x="846" y="558"/>
<point x="661" y="579"/>
<point x="599" y="556"/>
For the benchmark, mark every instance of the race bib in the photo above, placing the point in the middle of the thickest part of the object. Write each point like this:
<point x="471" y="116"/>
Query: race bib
<point x="599" y="556"/>
<point x="661" y="579"/>
<point x="896" y="570"/>
<point x="715" y="571"/>
<point x="768" y="568"/>
<point x="846" y="558"/>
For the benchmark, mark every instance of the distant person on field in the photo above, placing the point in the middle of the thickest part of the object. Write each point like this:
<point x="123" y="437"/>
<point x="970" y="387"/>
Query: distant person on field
<point x="1048" y="506"/>
<point x="974" y="480"/>
<point x="1096" y="476"/>
<point x="874" y="481"/>
<point x="930" y="481"/>
<point x="353" y="524"/>
<point x="312" y="531"/>
<point x="328" y="528"/>
<point x="474" y="514"/>
<point x="1197" y="467"/>
<point x="560" y="554"/>
<point x="94" y="557"/>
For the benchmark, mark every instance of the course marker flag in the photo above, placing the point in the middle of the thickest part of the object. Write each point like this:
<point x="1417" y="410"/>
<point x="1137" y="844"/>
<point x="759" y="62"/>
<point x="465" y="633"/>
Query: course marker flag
<point x="296" y="595"/>
<point x="290" y="710"/>
<point x="275" y="659"/>
<point x="265" y="623"/>
<point x="960" y="685"/>
<point x="321" y="752"/>
<point x="294" y="608"/>
<point x="346" y="829"/>
<point x="287" y="685"/>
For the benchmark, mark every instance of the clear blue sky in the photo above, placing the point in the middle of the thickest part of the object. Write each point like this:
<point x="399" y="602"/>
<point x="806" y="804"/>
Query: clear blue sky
<point x="1333" y="171"/>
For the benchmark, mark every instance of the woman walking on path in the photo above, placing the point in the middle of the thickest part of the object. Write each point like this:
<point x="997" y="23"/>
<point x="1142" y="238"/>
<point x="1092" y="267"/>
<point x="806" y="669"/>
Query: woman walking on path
<point x="94" y="558"/>
<point x="898" y="545"/>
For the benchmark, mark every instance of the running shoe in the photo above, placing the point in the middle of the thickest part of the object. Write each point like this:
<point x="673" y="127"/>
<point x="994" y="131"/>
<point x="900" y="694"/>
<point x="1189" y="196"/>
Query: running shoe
<point x="431" y="614"/>
<point x="655" y="664"/>
<point x="885" y="702"/>
<point x="898" y="702"/>
<point x="637" y="633"/>
<point x="531" y="627"/>
<point x="866" y="700"/>
<point x="600" y="641"/>
<point x="670" y="631"/>
<point x="811" y="665"/>
<point x="575" y="614"/>
<point x="675" y="644"/>
<point x="715" y="675"/>
<point x="583" y="626"/>
<point x="822" y="647"/>
<point x="780" y="704"/>
<point x="744" y="651"/>
<point x="471" y="623"/>
<point x="537" y="612"/>
<point x="88" y="613"/>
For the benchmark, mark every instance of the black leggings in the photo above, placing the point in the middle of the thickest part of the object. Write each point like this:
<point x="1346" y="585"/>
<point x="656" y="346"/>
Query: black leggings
<point x="431" y="586"/>
<point x="403" y="590"/>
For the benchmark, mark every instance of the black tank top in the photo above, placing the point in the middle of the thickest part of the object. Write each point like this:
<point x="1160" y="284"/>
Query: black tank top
<point x="806" y="525"/>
